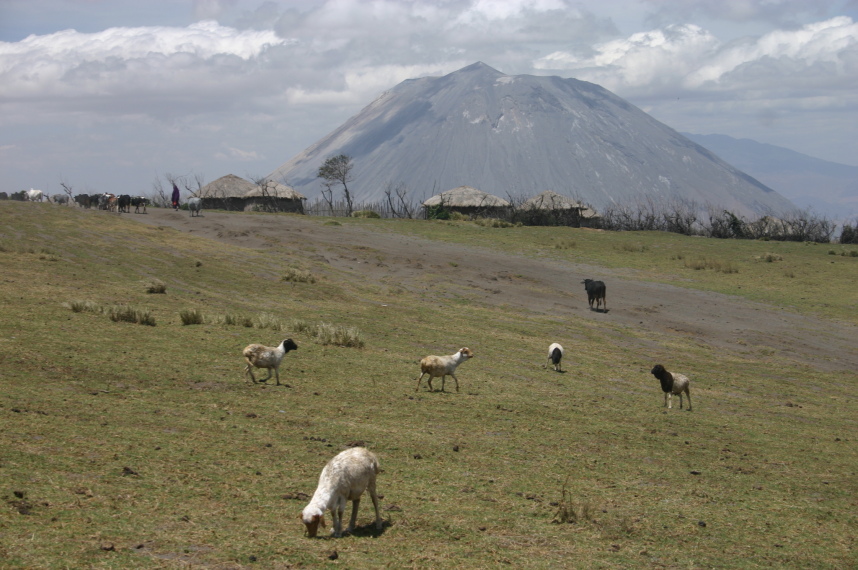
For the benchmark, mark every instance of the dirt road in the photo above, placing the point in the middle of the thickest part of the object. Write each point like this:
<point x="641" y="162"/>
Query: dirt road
<point x="536" y="285"/>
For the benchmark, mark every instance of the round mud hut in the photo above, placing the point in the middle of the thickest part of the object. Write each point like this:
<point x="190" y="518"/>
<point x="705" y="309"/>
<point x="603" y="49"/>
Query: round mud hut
<point x="467" y="201"/>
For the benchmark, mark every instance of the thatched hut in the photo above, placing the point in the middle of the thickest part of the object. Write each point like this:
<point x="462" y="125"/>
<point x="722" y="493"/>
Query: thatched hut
<point x="551" y="208"/>
<point x="231" y="192"/>
<point x="467" y="201"/>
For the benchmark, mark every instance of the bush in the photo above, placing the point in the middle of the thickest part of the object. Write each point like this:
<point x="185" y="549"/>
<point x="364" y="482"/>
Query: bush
<point x="437" y="212"/>
<point x="296" y="275"/>
<point x="191" y="317"/>
<point x="849" y="234"/>
<point x="129" y="314"/>
<point x="493" y="223"/>
<point x="366" y="214"/>
<point x="156" y="286"/>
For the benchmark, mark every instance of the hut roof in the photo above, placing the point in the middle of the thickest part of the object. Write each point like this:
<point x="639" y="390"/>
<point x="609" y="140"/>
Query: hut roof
<point x="229" y="186"/>
<point x="232" y="186"/>
<point x="466" y="197"/>
<point x="276" y="190"/>
<point x="549" y="200"/>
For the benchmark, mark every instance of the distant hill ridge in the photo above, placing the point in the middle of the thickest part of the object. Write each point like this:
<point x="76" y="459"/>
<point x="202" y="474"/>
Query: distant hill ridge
<point x="830" y="188"/>
<point x="519" y="136"/>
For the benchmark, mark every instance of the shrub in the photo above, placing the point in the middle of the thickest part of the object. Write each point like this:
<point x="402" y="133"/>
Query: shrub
<point x="156" y="286"/>
<point x="493" y="223"/>
<point x="83" y="306"/>
<point x="129" y="314"/>
<point x="191" y="317"/>
<point x="296" y="275"/>
<point x="714" y="264"/>
<point x="366" y="214"/>
<point x="437" y="212"/>
<point x="849" y="234"/>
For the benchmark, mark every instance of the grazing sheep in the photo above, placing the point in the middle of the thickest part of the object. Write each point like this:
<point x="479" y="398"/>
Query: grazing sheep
<point x="344" y="478"/>
<point x="261" y="356"/>
<point x="672" y="383"/>
<point x="195" y="206"/>
<point x="436" y="366"/>
<point x="555" y="355"/>
<point x="596" y="292"/>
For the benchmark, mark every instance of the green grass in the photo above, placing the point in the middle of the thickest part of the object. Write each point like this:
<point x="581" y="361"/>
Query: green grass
<point x="128" y="446"/>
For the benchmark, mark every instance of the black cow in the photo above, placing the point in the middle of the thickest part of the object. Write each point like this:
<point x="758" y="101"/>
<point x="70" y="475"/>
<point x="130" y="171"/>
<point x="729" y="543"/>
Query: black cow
<point x="596" y="292"/>
<point x="4" y="196"/>
<point x="82" y="200"/>
<point x="124" y="203"/>
<point x="137" y="202"/>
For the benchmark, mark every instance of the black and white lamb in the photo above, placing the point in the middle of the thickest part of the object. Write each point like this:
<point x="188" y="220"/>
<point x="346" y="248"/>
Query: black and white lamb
<point x="344" y="478"/>
<point x="436" y="366"/>
<point x="555" y="355"/>
<point x="671" y="384"/>
<point x="261" y="356"/>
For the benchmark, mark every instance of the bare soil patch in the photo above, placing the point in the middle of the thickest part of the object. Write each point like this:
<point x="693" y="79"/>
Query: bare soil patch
<point x="534" y="285"/>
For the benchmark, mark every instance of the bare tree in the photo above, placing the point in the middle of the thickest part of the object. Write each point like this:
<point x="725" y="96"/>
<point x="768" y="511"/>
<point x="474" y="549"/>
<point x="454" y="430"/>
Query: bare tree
<point x="338" y="170"/>
<point x="397" y="200"/>
<point x="161" y="199"/>
<point x="67" y="188"/>
<point x="328" y="195"/>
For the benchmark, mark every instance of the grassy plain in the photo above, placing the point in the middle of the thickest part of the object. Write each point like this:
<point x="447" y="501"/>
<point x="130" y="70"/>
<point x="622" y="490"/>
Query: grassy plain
<point x="134" y="446"/>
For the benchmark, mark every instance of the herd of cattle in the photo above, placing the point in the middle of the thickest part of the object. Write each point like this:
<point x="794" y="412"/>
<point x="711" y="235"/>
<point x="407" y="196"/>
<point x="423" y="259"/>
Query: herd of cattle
<point x="106" y="201"/>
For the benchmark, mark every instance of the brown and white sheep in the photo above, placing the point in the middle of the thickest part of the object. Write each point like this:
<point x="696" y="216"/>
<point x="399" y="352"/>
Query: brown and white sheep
<point x="344" y="478"/>
<point x="441" y="366"/>
<point x="261" y="356"/>
<point x="672" y="383"/>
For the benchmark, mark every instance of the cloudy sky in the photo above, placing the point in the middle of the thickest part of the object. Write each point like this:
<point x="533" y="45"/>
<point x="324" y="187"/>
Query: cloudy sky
<point x="108" y="95"/>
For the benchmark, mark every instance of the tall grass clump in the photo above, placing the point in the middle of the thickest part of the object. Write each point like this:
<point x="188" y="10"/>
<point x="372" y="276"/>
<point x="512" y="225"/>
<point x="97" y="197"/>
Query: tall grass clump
<point x="565" y="244"/>
<point x="567" y="511"/>
<point x="191" y="317"/>
<point x="296" y="275"/>
<point x="329" y="334"/>
<point x="129" y="314"/>
<point x="116" y="313"/>
<point x="713" y="264"/>
<point x="156" y="286"/>
<point x="83" y="306"/>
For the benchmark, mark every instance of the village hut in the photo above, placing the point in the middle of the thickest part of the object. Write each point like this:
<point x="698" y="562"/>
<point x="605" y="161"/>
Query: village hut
<point x="467" y="201"/>
<point x="551" y="208"/>
<point x="232" y="192"/>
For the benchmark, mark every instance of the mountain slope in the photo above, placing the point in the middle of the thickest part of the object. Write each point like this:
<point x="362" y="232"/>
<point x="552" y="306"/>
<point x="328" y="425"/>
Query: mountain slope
<point x="521" y="135"/>
<point x="828" y="187"/>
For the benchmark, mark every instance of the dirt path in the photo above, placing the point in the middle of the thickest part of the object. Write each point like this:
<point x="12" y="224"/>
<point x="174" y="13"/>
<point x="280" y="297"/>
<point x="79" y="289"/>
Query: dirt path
<point x="536" y="285"/>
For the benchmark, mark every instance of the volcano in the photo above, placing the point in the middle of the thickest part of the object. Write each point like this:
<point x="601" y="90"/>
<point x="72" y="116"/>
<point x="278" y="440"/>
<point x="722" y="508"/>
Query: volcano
<point x="519" y="135"/>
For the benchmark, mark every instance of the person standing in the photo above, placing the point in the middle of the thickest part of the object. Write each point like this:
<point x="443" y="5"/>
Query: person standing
<point x="175" y="196"/>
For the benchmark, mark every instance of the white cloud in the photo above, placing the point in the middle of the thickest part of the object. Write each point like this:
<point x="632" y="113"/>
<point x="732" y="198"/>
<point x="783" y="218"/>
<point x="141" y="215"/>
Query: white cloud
<point x="687" y="58"/>
<point x="69" y="64"/>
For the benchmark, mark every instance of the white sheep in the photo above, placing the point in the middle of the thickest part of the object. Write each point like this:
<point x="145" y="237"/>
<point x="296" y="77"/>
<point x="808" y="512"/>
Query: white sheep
<point x="555" y="355"/>
<point x="672" y="383"/>
<point x="344" y="478"/>
<point x="261" y="356"/>
<point x="436" y="366"/>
